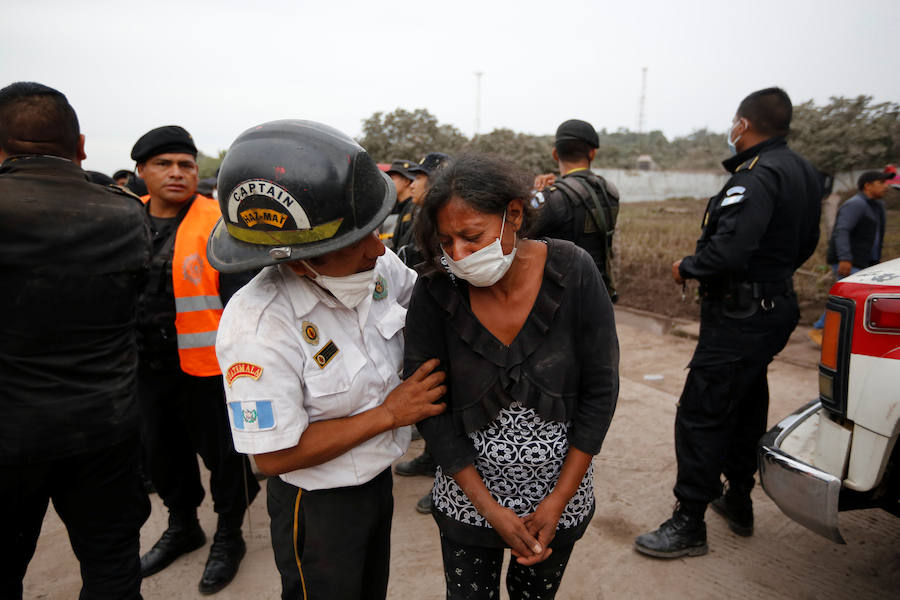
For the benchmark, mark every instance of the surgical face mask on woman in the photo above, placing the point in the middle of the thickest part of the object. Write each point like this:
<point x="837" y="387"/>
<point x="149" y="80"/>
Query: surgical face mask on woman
<point x="484" y="267"/>
<point x="350" y="290"/>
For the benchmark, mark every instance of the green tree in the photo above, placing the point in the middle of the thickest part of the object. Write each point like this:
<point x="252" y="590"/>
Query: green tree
<point x="405" y="134"/>
<point x="531" y="152"/>
<point x="847" y="133"/>
<point x="207" y="165"/>
<point x="702" y="149"/>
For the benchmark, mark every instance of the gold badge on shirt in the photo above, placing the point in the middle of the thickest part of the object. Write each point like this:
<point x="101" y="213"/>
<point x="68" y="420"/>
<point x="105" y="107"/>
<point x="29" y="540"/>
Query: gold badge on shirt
<point x="310" y="333"/>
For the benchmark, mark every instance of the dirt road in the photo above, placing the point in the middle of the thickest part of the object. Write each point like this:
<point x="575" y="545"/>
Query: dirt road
<point x="634" y="473"/>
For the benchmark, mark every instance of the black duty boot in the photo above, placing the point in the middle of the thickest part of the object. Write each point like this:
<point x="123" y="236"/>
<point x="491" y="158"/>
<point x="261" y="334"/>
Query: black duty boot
<point x="424" y="504"/>
<point x="737" y="510"/>
<point x="420" y="465"/>
<point x="682" y="535"/>
<point x="225" y="556"/>
<point x="183" y="535"/>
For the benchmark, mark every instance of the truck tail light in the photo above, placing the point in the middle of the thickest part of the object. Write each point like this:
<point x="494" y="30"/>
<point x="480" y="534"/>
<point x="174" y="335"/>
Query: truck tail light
<point x="883" y="314"/>
<point x="830" y="339"/>
<point x="834" y="364"/>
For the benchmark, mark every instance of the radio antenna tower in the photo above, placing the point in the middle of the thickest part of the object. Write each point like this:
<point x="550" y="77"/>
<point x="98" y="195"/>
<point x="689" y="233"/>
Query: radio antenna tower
<point x="643" y="98"/>
<point x="478" y="75"/>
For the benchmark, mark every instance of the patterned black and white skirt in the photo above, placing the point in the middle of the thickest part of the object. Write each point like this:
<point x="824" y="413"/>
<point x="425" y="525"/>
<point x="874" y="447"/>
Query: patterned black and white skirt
<point x="519" y="457"/>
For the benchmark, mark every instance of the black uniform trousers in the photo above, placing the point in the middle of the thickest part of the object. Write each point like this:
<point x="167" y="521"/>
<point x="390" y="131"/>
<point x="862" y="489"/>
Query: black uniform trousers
<point x="184" y="416"/>
<point x="723" y="408"/>
<point x="332" y="544"/>
<point x="100" y="499"/>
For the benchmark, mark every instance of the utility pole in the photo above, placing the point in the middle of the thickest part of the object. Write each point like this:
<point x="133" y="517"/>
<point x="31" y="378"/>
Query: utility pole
<point x="643" y="98"/>
<point x="478" y="75"/>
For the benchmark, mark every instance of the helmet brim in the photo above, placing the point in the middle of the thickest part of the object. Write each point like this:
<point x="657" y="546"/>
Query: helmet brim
<point x="229" y="255"/>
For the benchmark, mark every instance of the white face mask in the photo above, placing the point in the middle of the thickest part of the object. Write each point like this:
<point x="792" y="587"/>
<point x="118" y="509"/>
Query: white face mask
<point x="484" y="267"/>
<point x="350" y="290"/>
<point x="732" y="143"/>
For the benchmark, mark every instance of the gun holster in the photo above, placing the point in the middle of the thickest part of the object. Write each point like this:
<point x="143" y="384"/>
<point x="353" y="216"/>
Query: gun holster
<point x="739" y="301"/>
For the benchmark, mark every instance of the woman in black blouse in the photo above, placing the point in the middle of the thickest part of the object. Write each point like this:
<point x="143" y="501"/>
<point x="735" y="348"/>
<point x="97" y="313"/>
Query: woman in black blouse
<point x="525" y="331"/>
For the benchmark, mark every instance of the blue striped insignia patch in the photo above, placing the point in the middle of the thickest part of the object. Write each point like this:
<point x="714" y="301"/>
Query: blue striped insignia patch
<point x="733" y="195"/>
<point x="252" y="416"/>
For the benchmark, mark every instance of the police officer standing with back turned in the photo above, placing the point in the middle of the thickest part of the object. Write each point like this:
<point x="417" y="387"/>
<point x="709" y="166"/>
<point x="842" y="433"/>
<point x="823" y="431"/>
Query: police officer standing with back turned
<point x="179" y="382"/>
<point x="580" y="206"/>
<point x="757" y="231"/>
<point x="73" y="257"/>
<point x="311" y="351"/>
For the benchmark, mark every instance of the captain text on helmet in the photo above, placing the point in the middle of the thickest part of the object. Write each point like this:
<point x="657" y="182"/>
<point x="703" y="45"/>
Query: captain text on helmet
<point x="311" y="349"/>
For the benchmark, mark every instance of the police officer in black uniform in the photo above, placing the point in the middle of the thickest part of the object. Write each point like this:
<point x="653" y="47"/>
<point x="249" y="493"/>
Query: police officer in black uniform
<point x="566" y="204"/>
<point x="404" y="242"/>
<point x="180" y="387"/>
<point x="757" y="231"/>
<point x="400" y="174"/>
<point x="73" y="256"/>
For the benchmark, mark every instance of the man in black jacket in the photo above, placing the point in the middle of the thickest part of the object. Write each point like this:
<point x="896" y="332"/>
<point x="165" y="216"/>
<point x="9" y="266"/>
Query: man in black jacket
<point x="757" y="231"/>
<point x="73" y="258"/>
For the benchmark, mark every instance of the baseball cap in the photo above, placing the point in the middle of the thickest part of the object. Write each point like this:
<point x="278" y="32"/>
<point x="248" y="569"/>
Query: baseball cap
<point x="402" y="167"/>
<point x="575" y="129"/>
<point x="870" y="176"/>
<point x="430" y="163"/>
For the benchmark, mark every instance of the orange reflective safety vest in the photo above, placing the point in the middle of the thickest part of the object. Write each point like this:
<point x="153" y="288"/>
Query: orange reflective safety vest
<point x="198" y="306"/>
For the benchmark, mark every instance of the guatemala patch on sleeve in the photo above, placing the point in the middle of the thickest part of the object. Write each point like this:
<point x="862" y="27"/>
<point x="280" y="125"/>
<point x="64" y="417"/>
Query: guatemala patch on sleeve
<point x="733" y="195"/>
<point x="537" y="200"/>
<point x="252" y="416"/>
<point x="242" y="369"/>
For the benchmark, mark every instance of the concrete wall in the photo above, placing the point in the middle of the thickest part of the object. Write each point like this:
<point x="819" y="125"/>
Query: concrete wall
<point x="642" y="186"/>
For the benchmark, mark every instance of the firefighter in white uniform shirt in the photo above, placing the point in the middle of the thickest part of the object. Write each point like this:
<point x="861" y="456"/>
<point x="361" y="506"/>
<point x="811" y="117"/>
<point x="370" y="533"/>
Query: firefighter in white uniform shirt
<point x="311" y="350"/>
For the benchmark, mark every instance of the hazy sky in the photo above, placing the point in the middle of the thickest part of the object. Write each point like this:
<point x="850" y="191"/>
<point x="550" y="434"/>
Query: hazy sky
<point x="217" y="68"/>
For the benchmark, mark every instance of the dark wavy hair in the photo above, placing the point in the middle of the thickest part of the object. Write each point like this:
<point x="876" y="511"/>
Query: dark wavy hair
<point x="486" y="182"/>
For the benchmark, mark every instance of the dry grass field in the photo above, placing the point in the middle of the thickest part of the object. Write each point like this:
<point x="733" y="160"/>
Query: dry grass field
<point x="652" y="235"/>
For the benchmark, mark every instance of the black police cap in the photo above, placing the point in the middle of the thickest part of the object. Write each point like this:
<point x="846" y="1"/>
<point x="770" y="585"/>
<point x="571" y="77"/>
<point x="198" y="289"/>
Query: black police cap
<point x="582" y="131"/>
<point x="169" y="138"/>
<point x="402" y="167"/>
<point x="431" y="163"/>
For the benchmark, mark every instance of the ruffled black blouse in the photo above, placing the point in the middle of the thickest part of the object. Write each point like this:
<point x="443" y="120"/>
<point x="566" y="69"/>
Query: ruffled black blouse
<point x="563" y="363"/>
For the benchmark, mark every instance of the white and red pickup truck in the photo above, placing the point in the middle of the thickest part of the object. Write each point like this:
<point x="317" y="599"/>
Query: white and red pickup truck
<point x="840" y="451"/>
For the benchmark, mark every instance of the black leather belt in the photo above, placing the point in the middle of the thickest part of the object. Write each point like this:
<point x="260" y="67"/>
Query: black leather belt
<point x="758" y="289"/>
<point x="772" y="289"/>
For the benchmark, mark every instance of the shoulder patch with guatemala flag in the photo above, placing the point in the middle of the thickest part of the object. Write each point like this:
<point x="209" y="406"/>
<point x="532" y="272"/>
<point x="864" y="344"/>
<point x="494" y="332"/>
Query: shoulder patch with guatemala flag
<point x="733" y="195"/>
<point x="252" y="416"/>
